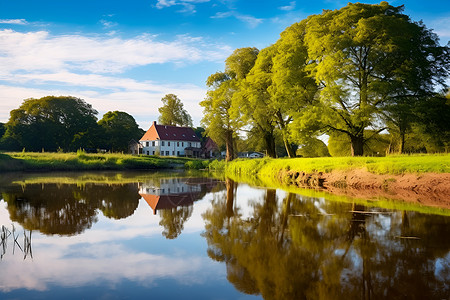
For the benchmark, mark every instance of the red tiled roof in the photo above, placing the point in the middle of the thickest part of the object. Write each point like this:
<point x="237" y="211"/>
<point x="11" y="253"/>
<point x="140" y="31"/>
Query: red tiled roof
<point x="170" y="133"/>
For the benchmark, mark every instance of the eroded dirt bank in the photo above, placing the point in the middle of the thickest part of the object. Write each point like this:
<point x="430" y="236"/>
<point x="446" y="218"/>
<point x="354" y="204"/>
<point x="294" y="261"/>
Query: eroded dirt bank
<point x="431" y="189"/>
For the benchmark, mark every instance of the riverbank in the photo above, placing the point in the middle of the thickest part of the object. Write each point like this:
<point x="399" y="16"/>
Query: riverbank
<point x="422" y="179"/>
<point x="81" y="161"/>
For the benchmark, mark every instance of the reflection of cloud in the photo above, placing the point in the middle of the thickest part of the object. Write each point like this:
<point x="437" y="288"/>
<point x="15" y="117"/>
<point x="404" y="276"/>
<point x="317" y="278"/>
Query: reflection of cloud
<point x="96" y="263"/>
<point x="101" y="255"/>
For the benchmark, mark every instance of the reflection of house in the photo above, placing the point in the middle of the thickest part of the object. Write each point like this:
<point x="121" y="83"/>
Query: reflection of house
<point x="167" y="140"/>
<point x="173" y="192"/>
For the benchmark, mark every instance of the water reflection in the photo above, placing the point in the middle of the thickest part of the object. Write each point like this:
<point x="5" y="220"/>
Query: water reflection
<point x="173" y="199"/>
<point x="68" y="209"/>
<point x="308" y="248"/>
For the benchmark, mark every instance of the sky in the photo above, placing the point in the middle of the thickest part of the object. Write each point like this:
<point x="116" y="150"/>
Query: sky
<point x="127" y="55"/>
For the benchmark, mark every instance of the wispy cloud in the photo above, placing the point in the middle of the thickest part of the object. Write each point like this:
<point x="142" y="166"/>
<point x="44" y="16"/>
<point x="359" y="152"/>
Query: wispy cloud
<point x="441" y="28"/>
<point x="40" y="50"/>
<point x="188" y="5"/>
<point x="289" y="7"/>
<point x="251" y="21"/>
<point x="14" y="21"/>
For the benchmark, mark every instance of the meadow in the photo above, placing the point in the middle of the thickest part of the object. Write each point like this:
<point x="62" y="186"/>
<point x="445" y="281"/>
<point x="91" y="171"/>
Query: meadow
<point x="393" y="164"/>
<point x="81" y="161"/>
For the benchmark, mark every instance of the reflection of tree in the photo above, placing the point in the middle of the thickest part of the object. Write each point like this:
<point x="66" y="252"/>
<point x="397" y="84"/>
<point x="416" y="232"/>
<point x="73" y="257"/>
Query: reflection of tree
<point x="173" y="220"/>
<point x="67" y="209"/>
<point x="310" y="248"/>
<point x="116" y="201"/>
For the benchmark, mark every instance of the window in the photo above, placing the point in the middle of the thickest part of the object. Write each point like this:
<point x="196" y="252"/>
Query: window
<point x="173" y="152"/>
<point x="146" y="144"/>
<point x="190" y="144"/>
<point x="178" y="144"/>
<point x="168" y="143"/>
<point x="162" y="143"/>
<point x="148" y="152"/>
<point x="167" y="153"/>
<point x="182" y="144"/>
<point x="178" y="153"/>
<point x="153" y="152"/>
<point x="153" y="143"/>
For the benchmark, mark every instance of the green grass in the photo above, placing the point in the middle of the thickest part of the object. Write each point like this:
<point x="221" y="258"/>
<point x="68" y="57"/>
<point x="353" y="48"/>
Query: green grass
<point x="395" y="164"/>
<point x="80" y="161"/>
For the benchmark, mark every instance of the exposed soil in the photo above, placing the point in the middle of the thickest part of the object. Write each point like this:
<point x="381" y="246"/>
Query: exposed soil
<point x="431" y="189"/>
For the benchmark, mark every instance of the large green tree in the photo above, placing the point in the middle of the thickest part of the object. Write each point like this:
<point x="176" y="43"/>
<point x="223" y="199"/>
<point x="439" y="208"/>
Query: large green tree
<point x="49" y="123"/>
<point x="173" y="113"/>
<point x="119" y="128"/>
<point x="368" y="58"/>
<point x="222" y="116"/>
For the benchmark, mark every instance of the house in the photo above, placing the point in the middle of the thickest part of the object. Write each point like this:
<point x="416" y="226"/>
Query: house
<point x="250" y="154"/>
<point x="210" y="149"/>
<point x="134" y="147"/>
<point x="168" y="140"/>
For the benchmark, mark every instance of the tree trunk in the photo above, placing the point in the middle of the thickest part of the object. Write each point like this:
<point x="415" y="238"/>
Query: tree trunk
<point x="270" y="144"/>
<point x="402" y="142"/>
<point x="357" y="145"/>
<point x="288" y="147"/>
<point x="229" y="144"/>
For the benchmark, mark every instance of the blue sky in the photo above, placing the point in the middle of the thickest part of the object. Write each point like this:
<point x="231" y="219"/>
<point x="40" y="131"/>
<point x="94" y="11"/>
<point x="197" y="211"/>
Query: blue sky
<point x="126" y="55"/>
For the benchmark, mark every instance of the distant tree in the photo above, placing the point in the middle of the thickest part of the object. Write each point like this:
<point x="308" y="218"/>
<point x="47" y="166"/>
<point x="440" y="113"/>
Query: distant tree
<point x="2" y="129"/>
<point x="49" y="123"/>
<point x="119" y="128"/>
<point x="173" y="113"/>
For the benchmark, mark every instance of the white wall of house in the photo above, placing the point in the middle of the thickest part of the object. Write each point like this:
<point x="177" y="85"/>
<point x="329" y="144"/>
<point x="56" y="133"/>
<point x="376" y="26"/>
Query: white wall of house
<point x="169" y="186"/>
<point x="167" y="148"/>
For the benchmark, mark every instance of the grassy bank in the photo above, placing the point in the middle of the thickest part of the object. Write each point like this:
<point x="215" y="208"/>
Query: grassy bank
<point x="31" y="161"/>
<point x="398" y="164"/>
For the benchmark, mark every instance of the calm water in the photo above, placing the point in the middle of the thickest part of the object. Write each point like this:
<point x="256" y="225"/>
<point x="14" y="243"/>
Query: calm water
<point x="171" y="236"/>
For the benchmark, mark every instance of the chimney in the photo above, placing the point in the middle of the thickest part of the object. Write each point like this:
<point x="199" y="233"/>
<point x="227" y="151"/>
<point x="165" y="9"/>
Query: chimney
<point x="154" y="123"/>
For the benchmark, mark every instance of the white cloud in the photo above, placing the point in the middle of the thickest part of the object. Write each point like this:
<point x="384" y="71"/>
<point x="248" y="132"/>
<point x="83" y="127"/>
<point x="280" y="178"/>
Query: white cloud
<point x="41" y="51"/>
<point x="188" y="5"/>
<point x="251" y="21"/>
<point x="14" y="21"/>
<point x="289" y="7"/>
<point x="441" y="28"/>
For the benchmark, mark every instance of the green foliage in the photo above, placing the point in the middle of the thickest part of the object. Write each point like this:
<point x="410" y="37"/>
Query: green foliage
<point x="118" y="129"/>
<point x="369" y="59"/>
<point x="196" y="164"/>
<point x="221" y="113"/>
<point x="173" y="113"/>
<point x="313" y="148"/>
<point x="48" y="123"/>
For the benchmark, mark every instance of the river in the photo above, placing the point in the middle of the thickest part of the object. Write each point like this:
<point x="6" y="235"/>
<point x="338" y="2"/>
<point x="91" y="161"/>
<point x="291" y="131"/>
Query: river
<point x="189" y="236"/>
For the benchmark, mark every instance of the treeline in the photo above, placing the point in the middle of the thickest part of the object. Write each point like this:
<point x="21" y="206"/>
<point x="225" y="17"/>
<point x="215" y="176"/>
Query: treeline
<point x="367" y="76"/>
<point x="66" y="124"/>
